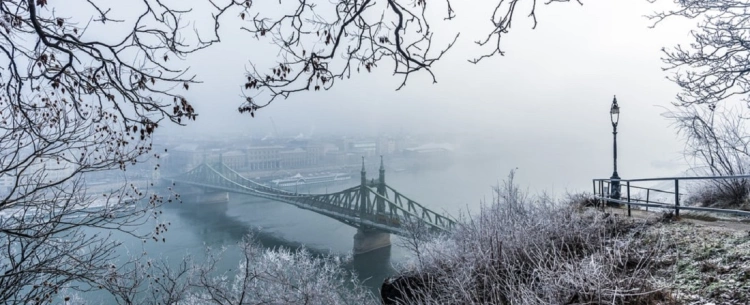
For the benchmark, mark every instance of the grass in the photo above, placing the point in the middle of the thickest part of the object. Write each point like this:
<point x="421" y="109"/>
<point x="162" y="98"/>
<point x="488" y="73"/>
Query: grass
<point x="522" y="249"/>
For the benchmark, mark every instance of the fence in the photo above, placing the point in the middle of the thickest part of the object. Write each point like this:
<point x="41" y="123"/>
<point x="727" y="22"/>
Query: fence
<point x="602" y="193"/>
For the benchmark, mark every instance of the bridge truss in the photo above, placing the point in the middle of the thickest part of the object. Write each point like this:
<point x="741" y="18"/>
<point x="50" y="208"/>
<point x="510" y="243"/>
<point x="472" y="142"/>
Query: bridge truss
<point x="371" y="205"/>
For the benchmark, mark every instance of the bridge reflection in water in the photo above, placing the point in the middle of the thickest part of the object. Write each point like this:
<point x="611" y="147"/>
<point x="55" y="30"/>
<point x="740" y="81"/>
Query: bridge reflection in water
<point x="373" y="207"/>
<point x="214" y="228"/>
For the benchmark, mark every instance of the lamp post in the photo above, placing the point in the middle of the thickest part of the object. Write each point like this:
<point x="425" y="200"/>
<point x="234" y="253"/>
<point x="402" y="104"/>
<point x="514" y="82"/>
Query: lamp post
<point x="614" y="113"/>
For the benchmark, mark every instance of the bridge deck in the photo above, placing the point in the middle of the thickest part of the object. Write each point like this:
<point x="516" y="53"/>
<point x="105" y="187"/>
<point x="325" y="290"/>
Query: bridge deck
<point x="372" y="206"/>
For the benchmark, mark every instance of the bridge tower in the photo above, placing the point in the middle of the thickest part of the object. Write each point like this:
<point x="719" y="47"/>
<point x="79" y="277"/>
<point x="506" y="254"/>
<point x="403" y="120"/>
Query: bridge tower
<point x="363" y="191"/>
<point x="208" y="196"/>
<point x="369" y="239"/>
<point x="381" y="187"/>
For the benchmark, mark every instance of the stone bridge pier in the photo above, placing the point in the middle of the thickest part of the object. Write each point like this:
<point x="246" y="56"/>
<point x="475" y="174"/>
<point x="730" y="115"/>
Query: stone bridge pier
<point x="369" y="240"/>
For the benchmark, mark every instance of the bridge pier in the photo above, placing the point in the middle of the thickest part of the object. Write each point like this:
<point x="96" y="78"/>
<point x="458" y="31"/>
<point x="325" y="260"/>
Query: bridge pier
<point x="369" y="240"/>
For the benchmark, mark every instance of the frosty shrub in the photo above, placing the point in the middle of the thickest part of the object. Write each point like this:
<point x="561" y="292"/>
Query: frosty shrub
<point x="524" y="250"/>
<point x="261" y="276"/>
<point x="265" y="276"/>
<point x="728" y="193"/>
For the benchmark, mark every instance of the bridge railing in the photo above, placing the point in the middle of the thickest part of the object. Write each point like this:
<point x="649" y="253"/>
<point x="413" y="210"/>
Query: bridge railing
<point x="392" y="209"/>
<point x="395" y="206"/>
<point x="603" y="194"/>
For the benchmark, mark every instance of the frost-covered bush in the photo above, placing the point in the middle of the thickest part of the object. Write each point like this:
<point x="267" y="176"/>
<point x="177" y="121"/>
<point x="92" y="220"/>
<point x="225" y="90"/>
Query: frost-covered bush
<point x="729" y="193"/>
<point x="262" y="276"/>
<point x="524" y="250"/>
<point x="277" y="277"/>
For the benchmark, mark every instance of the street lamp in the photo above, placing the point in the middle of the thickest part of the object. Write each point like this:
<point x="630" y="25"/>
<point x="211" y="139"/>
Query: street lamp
<point x="614" y="113"/>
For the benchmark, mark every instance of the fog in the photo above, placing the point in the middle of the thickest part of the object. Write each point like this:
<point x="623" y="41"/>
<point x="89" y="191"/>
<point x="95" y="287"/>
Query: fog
<point x="543" y="107"/>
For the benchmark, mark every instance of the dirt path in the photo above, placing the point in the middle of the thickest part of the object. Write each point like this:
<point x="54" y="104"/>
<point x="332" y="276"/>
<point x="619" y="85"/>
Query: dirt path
<point x="700" y="219"/>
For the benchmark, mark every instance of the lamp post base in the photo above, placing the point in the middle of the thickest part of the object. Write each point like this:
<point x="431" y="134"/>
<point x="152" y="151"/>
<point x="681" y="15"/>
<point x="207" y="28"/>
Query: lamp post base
<point x="614" y="190"/>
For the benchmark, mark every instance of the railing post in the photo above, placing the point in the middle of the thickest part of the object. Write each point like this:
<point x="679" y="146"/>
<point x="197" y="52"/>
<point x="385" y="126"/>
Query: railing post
<point x="628" y="186"/>
<point x="676" y="197"/>
<point x="648" y="192"/>
<point x="594" y="187"/>
<point x="609" y="193"/>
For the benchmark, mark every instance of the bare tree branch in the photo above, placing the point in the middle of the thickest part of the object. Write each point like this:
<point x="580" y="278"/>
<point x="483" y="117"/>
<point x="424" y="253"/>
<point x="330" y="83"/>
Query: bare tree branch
<point x="502" y="19"/>
<point x="716" y="144"/>
<point x="72" y="106"/>
<point x="715" y="66"/>
<point x="318" y="50"/>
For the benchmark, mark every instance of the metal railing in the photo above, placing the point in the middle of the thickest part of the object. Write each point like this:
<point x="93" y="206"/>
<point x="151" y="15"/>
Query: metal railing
<point x="602" y="193"/>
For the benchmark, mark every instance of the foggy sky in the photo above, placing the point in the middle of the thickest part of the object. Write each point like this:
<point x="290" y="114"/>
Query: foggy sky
<point x="546" y="102"/>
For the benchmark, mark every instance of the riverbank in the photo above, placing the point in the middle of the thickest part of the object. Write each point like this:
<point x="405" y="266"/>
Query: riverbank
<point x="528" y="250"/>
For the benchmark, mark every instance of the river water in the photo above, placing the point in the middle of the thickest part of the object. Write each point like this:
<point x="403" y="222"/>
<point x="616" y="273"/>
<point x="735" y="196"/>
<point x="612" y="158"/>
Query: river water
<point x="461" y="185"/>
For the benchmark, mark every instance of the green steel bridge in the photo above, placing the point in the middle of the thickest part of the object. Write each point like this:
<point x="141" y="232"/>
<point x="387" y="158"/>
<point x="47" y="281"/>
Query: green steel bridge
<point x="371" y="206"/>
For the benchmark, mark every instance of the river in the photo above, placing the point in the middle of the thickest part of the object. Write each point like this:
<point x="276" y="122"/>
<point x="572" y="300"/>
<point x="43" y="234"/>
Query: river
<point x="461" y="185"/>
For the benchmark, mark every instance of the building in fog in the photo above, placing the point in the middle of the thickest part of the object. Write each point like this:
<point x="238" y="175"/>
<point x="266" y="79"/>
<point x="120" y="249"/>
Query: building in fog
<point x="263" y="158"/>
<point x="429" y="149"/>
<point x="183" y="158"/>
<point x="43" y="171"/>
<point x="365" y="148"/>
<point x="315" y="154"/>
<point x="6" y="183"/>
<point x="235" y="159"/>
<point x="293" y="158"/>
<point x="386" y="146"/>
